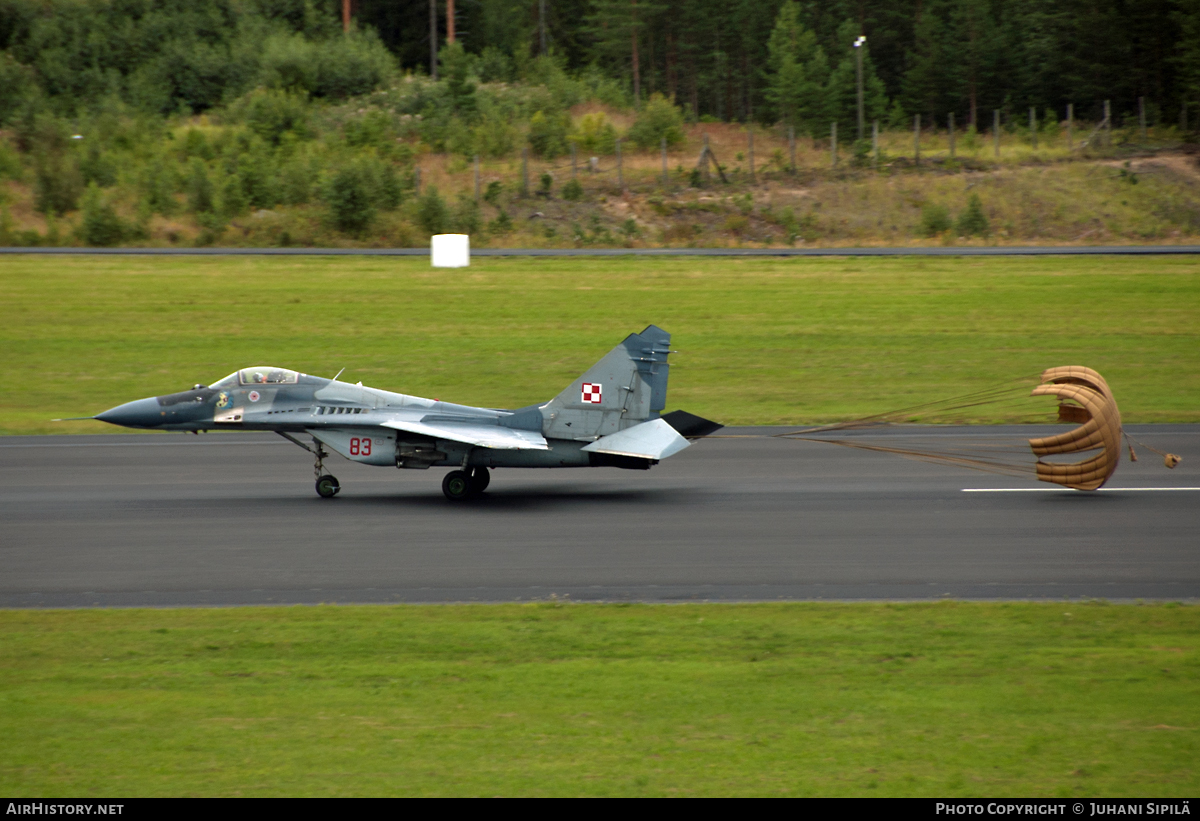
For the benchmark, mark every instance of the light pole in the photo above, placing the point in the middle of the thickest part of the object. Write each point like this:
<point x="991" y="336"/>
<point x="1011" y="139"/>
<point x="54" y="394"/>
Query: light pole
<point x="858" y="44"/>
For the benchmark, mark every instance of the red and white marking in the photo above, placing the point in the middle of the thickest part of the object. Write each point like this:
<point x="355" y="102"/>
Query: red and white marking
<point x="591" y="393"/>
<point x="254" y="397"/>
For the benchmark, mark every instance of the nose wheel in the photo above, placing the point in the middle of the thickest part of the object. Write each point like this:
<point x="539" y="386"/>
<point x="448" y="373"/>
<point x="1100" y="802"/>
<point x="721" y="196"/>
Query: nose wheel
<point x="328" y="487"/>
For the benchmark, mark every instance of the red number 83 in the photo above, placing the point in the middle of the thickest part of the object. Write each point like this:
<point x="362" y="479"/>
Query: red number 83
<point x="360" y="447"/>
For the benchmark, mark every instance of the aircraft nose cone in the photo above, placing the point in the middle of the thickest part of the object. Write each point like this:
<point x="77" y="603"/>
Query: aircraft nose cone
<point x="142" y="413"/>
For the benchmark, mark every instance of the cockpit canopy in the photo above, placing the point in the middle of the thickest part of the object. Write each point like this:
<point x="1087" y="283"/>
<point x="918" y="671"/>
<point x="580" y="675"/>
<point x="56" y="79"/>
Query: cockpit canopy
<point x="259" y="375"/>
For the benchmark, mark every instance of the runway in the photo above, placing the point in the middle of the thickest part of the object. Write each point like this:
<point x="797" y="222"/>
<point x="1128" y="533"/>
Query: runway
<point x="225" y="519"/>
<point x="953" y="251"/>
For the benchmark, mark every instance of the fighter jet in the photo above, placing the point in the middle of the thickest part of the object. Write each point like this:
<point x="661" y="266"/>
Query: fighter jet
<point x="611" y="416"/>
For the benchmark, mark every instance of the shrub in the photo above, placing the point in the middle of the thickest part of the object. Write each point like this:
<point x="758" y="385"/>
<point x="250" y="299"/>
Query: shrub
<point x="545" y="184"/>
<point x="495" y="136"/>
<point x="492" y="194"/>
<point x="295" y="183"/>
<point x="98" y="167"/>
<point x="595" y="134"/>
<point x="16" y="84"/>
<point x="258" y="179"/>
<point x="57" y="183"/>
<point x="972" y="221"/>
<point x="195" y="144"/>
<point x="233" y="197"/>
<point x="199" y="188"/>
<point x="158" y="186"/>
<point x="352" y="64"/>
<point x="572" y="191"/>
<point x="271" y="113"/>
<point x="658" y="118"/>
<point x="494" y="66"/>
<point x="466" y="215"/>
<point x="934" y="220"/>
<point x="101" y="225"/>
<point x="372" y="128"/>
<point x="548" y="133"/>
<point x="348" y="196"/>
<point x="502" y="224"/>
<point x="432" y="214"/>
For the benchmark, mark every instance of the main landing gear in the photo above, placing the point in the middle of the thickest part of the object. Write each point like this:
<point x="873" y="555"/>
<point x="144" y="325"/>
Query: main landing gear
<point x="463" y="484"/>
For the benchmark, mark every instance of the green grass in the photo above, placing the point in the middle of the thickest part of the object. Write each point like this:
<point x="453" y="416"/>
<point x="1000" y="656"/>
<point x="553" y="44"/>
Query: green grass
<point x="946" y="699"/>
<point x="759" y="340"/>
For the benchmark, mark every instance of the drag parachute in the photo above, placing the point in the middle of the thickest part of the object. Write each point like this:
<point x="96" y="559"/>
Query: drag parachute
<point x="1083" y="396"/>
<point x="1084" y="399"/>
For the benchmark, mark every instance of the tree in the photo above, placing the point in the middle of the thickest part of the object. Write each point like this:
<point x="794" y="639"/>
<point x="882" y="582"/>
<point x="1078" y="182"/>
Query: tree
<point x="797" y="73"/>
<point x="615" y="26"/>
<point x="842" y="90"/>
<point x="926" y="82"/>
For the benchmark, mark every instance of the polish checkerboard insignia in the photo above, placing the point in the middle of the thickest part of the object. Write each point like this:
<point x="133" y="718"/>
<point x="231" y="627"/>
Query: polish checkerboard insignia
<point x="591" y="393"/>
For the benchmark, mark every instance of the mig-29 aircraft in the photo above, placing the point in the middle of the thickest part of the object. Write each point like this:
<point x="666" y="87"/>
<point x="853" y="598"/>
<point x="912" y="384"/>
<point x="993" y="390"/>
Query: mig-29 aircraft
<point x="610" y="416"/>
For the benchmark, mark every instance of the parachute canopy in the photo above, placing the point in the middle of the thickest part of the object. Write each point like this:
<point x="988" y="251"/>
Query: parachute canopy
<point x="1083" y="397"/>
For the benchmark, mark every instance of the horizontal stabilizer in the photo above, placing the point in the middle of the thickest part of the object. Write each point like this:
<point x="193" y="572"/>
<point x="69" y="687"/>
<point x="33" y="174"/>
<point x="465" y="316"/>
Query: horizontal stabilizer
<point x="650" y="440"/>
<point x="689" y="425"/>
<point x="484" y="436"/>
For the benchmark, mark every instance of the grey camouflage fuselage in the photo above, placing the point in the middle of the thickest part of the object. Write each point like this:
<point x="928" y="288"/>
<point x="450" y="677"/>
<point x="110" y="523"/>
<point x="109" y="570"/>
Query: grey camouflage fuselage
<point x="588" y="424"/>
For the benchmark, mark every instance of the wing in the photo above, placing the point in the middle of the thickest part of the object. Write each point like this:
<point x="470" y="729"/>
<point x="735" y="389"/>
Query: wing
<point x="484" y="436"/>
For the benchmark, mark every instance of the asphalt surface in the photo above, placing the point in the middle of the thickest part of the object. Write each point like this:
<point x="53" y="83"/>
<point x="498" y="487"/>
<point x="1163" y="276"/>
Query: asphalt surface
<point x="224" y="519"/>
<point x="993" y="251"/>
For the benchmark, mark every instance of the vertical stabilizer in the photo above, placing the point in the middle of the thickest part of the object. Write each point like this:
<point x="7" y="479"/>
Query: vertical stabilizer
<point x="626" y="387"/>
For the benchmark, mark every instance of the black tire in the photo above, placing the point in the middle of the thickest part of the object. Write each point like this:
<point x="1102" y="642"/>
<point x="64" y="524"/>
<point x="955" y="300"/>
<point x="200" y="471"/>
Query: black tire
<point x="480" y="479"/>
<point x="457" y="485"/>
<point x="328" y="487"/>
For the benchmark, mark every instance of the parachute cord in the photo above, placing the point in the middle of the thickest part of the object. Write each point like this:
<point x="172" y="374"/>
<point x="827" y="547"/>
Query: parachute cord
<point x="1169" y="459"/>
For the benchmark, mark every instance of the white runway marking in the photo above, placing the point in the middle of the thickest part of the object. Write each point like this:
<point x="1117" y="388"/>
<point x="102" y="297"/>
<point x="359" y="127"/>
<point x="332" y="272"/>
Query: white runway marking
<point x="1065" y="489"/>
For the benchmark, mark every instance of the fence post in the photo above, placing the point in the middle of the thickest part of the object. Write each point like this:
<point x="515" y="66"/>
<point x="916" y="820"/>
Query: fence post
<point x="917" y="139"/>
<point x="1070" y="126"/>
<point x="1107" y="124"/>
<point x="833" y="142"/>
<point x="875" y="144"/>
<point x="417" y="180"/>
<point x="750" y="148"/>
<point x="574" y="166"/>
<point x="792" y="143"/>
<point x="666" y="178"/>
<point x="620" y="171"/>
<point x="1033" y="126"/>
<point x="996" y="131"/>
<point x="950" y="129"/>
<point x="524" y="172"/>
<point x="1142" y="117"/>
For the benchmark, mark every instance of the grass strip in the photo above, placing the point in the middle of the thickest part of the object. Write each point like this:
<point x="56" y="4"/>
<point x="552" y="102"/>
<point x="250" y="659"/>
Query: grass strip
<point x="760" y="341"/>
<point x="939" y="699"/>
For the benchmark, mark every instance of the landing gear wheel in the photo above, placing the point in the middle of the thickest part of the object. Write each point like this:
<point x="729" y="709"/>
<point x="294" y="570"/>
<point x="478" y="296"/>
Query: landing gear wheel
<point x="457" y="485"/>
<point x="480" y="479"/>
<point x="328" y="487"/>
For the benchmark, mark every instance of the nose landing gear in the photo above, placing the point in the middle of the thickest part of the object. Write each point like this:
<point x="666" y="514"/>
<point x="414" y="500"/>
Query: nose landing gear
<point x="327" y="485"/>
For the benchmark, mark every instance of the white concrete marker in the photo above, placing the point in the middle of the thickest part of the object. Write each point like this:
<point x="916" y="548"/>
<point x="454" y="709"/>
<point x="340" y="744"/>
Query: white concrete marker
<point x="450" y="250"/>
